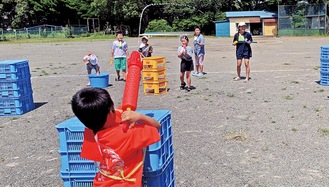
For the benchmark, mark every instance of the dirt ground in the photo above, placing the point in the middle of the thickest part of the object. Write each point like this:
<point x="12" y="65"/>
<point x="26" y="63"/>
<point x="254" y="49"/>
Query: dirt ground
<point x="269" y="132"/>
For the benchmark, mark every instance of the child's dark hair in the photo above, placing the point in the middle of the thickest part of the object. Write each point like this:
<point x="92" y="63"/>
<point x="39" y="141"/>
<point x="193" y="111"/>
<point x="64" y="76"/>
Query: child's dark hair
<point x="197" y="27"/>
<point x="184" y="37"/>
<point x="118" y="32"/>
<point x="91" y="106"/>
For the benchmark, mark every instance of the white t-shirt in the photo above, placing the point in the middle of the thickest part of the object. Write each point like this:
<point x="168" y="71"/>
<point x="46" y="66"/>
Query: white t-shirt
<point x="92" y="59"/>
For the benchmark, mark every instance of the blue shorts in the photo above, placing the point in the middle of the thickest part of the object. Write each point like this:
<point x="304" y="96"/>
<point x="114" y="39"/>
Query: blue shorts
<point x="92" y="67"/>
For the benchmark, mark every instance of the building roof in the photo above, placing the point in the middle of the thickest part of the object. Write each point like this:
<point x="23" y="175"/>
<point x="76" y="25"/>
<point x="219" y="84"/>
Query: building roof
<point x="261" y="14"/>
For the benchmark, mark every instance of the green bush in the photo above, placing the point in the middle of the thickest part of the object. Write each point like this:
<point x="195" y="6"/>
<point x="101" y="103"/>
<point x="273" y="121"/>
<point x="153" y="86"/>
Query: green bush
<point x="160" y="25"/>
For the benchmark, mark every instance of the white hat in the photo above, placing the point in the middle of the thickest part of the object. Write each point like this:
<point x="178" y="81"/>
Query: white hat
<point x="145" y="37"/>
<point x="242" y="24"/>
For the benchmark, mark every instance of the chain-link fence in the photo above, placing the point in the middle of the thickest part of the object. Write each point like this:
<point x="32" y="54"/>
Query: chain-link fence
<point x="302" y="19"/>
<point x="43" y="31"/>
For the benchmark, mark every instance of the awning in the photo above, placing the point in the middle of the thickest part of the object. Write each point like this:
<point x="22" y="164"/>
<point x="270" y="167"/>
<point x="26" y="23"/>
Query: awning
<point x="270" y="20"/>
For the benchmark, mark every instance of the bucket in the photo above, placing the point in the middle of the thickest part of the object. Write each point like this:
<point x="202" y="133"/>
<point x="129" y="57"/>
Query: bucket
<point x="99" y="81"/>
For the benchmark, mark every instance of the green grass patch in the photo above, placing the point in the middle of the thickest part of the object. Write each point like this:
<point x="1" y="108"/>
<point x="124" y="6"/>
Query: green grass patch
<point x="230" y="95"/>
<point x="294" y="82"/>
<point x="319" y="91"/>
<point x="294" y="130"/>
<point x="324" y="131"/>
<point x="288" y="97"/>
<point x="286" y="63"/>
<point x="316" y="68"/>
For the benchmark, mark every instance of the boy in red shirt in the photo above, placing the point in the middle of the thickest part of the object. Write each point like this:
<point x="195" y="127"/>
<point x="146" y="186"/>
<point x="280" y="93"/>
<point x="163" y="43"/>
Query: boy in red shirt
<point x="120" y="153"/>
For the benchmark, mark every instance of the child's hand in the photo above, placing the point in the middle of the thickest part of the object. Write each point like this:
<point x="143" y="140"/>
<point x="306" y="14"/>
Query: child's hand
<point x="130" y="117"/>
<point x="111" y="61"/>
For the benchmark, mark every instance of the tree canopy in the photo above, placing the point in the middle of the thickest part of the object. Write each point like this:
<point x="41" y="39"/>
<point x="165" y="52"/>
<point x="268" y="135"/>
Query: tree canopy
<point x="180" y="14"/>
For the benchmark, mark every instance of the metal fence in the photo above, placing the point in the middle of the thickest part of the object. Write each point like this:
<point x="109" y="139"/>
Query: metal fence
<point x="302" y="19"/>
<point x="43" y="31"/>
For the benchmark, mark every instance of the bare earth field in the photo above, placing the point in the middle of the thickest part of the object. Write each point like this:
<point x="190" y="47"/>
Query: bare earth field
<point x="272" y="131"/>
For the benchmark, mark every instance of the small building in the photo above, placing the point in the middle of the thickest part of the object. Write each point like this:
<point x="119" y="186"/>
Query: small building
<point x="258" y="23"/>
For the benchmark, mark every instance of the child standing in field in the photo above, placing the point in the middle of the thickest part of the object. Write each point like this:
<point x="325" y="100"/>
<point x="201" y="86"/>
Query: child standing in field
<point x="91" y="62"/>
<point x="145" y="49"/>
<point x="119" y="153"/>
<point x="119" y="55"/>
<point x="198" y="51"/>
<point x="242" y="41"/>
<point x="185" y="53"/>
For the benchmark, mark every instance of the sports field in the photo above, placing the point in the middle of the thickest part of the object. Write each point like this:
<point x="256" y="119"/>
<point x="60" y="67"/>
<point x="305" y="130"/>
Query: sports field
<point x="272" y="131"/>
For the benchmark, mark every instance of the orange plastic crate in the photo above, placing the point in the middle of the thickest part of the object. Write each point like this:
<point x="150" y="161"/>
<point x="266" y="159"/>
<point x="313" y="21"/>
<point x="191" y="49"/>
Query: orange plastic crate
<point x="155" y="88"/>
<point x="154" y="63"/>
<point x="154" y="75"/>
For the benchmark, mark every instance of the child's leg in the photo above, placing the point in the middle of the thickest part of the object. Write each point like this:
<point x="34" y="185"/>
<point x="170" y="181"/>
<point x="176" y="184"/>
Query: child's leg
<point x="124" y="67"/>
<point x="201" y="59"/>
<point x="188" y="78"/>
<point x="181" y="76"/>
<point x="196" y="64"/>
<point x="238" y="67"/>
<point x="117" y="65"/>
<point x="97" y="68"/>
<point x="247" y="64"/>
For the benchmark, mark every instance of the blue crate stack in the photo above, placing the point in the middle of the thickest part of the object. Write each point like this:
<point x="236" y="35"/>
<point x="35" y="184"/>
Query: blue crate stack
<point x="15" y="88"/>
<point x="324" y="66"/>
<point x="78" y="172"/>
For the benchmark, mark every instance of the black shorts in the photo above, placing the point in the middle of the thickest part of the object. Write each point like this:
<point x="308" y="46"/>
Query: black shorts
<point x="186" y="65"/>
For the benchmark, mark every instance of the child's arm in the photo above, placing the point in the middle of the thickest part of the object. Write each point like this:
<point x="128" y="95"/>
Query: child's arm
<point x="180" y="52"/>
<point x="132" y="117"/>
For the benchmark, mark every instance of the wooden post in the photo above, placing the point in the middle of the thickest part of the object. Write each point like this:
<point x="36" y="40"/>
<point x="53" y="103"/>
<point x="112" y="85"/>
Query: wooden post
<point x="94" y="24"/>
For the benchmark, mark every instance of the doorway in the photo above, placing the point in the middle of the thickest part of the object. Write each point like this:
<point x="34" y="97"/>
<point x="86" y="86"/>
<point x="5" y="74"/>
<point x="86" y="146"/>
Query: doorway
<point x="256" y="29"/>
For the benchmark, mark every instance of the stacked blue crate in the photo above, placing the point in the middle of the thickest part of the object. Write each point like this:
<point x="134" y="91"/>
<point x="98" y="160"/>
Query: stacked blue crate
<point x="78" y="172"/>
<point x="15" y="88"/>
<point x="324" y="66"/>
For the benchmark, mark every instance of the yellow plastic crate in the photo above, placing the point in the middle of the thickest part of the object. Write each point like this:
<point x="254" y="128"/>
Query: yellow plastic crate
<point x="154" y="63"/>
<point x="155" y="88"/>
<point x="154" y="75"/>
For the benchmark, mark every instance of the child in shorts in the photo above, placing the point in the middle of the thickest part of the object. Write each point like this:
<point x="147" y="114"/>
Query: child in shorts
<point x="91" y="62"/>
<point x="145" y="49"/>
<point x="198" y="51"/>
<point x="185" y="53"/>
<point x="119" y="152"/>
<point x="119" y="55"/>
<point x="242" y="41"/>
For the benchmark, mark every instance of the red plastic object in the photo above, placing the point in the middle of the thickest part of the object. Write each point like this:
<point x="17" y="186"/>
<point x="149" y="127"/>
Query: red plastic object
<point x="130" y="96"/>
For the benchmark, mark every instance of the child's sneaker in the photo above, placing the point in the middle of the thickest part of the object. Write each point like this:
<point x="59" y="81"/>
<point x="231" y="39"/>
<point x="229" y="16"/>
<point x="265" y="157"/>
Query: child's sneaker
<point x="199" y="75"/>
<point x="88" y="84"/>
<point x="195" y="73"/>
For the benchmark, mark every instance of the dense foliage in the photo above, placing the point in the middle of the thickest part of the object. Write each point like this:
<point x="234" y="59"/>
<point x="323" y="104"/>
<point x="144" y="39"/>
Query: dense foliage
<point x="180" y="14"/>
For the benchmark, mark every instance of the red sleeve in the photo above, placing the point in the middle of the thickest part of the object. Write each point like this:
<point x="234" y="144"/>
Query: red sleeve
<point x="90" y="149"/>
<point x="143" y="136"/>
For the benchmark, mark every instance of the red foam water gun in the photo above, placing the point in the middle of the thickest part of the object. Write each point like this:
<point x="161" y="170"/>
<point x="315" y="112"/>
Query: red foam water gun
<point x="130" y="95"/>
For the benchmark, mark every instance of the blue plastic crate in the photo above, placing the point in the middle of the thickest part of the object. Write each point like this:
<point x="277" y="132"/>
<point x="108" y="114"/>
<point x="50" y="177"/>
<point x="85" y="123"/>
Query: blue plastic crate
<point x="325" y="55"/>
<point x="16" y="89"/>
<point x="77" y="180"/>
<point x="14" y="70"/>
<point x="164" y="177"/>
<point x="70" y="135"/>
<point x="16" y="106"/>
<point x="324" y="78"/>
<point x="73" y="163"/>
<point x="160" y="152"/>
